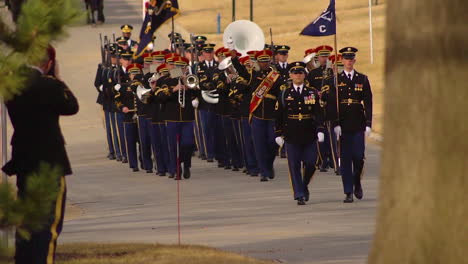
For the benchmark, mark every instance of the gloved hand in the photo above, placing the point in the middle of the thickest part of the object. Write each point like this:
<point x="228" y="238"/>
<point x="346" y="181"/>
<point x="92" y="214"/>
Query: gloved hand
<point x="117" y="87"/>
<point x="368" y="131"/>
<point x="321" y="137"/>
<point x="100" y="87"/>
<point x="337" y="130"/>
<point x="195" y="103"/>
<point x="279" y="141"/>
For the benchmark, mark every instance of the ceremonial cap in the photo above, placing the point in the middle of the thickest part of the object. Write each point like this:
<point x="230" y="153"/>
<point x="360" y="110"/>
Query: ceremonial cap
<point x="323" y="50"/>
<point x="282" y="49"/>
<point x="338" y="61"/>
<point x="200" y="38"/>
<point x="169" y="58"/>
<point x="147" y="58"/>
<point x="158" y="55"/>
<point x="348" y="52"/>
<point x="126" y="28"/>
<point x="264" y="55"/>
<point x="309" y="51"/>
<point x="162" y="68"/>
<point x="181" y="61"/>
<point x="126" y="54"/>
<point x="244" y="60"/>
<point x="252" y="54"/>
<point x="220" y="51"/>
<point x="121" y="41"/>
<point x="297" y="67"/>
<point x="134" y="68"/>
<point x="208" y="47"/>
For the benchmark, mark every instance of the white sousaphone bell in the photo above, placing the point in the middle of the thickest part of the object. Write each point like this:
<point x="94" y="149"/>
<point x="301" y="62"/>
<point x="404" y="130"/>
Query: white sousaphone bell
<point x="243" y="36"/>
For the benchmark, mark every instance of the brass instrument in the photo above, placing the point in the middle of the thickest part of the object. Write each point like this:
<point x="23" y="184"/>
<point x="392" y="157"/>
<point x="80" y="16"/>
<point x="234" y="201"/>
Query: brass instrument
<point x="229" y="70"/>
<point x="243" y="36"/>
<point x="191" y="81"/>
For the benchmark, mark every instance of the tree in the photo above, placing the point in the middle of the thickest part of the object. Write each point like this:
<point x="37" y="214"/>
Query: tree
<point x="24" y="38"/>
<point x="422" y="209"/>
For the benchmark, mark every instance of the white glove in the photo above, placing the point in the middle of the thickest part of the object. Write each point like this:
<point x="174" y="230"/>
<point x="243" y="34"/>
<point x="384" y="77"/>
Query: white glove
<point x="337" y="130"/>
<point x="100" y="88"/>
<point x="279" y="141"/>
<point x="195" y="103"/>
<point x="117" y="87"/>
<point x="368" y="131"/>
<point x="321" y="137"/>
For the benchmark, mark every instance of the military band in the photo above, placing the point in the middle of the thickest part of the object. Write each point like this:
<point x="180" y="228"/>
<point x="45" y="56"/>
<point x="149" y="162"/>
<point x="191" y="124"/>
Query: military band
<point x="241" y="111"/>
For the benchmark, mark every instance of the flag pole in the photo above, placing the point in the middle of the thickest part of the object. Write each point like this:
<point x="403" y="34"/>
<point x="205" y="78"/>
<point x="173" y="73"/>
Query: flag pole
<point x="370" y="33"/>
<point x="338" y="152"/>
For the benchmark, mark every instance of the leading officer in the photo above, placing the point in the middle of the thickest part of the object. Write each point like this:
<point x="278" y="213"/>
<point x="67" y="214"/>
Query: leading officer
<point x="299" y="123"/>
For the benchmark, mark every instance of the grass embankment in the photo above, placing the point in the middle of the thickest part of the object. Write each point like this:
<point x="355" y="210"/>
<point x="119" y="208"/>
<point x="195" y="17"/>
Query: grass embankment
<point x="87" y="253"/>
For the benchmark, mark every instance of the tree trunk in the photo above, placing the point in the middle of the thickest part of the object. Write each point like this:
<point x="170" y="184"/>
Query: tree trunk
<point x="422" y="216"/>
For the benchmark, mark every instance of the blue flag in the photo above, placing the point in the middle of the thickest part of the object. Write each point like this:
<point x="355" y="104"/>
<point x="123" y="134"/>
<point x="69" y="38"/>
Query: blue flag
<point x="324" y="25"/>
<point x="157" y="13"/>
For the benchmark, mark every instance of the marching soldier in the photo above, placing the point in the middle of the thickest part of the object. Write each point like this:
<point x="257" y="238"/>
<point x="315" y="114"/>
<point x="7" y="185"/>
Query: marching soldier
<point x="160" y="146"/>
<point x="265" y="86"/>
<point x="144" y="119"/>
<point x="282" y="54"/>
<point x="245" y="95"/>
<point x="126" y="101"/>
<point x="205" y="71"/>
<point x="179" y="114"/>
<point x="99" y="81"/>
<point x="299" y="124"/>
<point x="329" y="84"/>
<point x="127" y="34"/>
<point x="352" y="120"/>
<point x="221" y="148"/>
<point x="316" y="79"/>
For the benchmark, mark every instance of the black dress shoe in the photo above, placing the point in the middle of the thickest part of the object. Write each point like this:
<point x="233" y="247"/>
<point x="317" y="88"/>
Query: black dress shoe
<point x="235" y="169"/>
<point x="220" y="165"/>
<point x="283" y="156"/>
<point x="149" y="171"/>
<point x="323" y="169"/>
<point x="263" y="179"/>
<point x="337" y="173"/>
<point x="171" y="175"/>
<point x="245" y="171"/>
<point x="272" y="176"/>
<point x="111" y="156"/>
<point x="253" y="174"/>
<point x="135" y="169"/>
<point x="358" y="192"/>
<point x="348" y="198"/>
<point x="227" y="167"/>
<point x="162" y="174"/>
<point x="118" y="159"/>
<point x="124" y="160"/>
<point x="300" y="201"/>
<point x="187" y="173"/>
<point x="209" y="160"/>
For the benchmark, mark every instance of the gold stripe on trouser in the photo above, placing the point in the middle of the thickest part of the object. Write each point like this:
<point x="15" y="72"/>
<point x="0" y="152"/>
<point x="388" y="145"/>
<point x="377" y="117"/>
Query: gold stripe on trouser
<point x="126" y="145"/>
<point x="203" y="135"/>
<point x="195" y="129"/>
<point x="58" y="216"/>
<point x="118" y="134"/>
<point x="139" y="141"/>
<point x="112" y="133"/>
<point x="290" y="177"/>
<point x="319" y="156"/>
<point x="332" y="146"/>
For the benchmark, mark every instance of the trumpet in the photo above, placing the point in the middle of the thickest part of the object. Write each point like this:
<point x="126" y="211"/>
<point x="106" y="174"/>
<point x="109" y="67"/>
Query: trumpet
<point x="229" y="69"/>
<point x="191" y="81"/>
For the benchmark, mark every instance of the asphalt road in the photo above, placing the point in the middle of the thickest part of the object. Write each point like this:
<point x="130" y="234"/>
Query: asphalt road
<point x="219" y="208"/>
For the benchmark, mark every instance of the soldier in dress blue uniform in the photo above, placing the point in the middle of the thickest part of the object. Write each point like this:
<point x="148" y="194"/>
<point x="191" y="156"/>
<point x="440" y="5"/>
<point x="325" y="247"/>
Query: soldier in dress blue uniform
<point x="352" y="120"/>
<point x="205" y="71"/>
<point x="180" y="116"/>
<point x="330" y="136"/>
<point x="316" y="79"/>
<point x="127" y="34"/>
<point x="299" y="123"/>
<point x="99" y="81"/>
<point x="245" y="92"/>
<point x="126" y="101"/>
<point x="263" y="112"/>
<point x="160" y="145"/>
<point x="282" y="66"/>
<point x="144" y="119"/>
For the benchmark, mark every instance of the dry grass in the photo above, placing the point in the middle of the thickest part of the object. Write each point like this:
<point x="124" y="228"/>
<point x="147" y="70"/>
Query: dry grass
<point x="87" y="253"/>
<point x="287" y="18"/>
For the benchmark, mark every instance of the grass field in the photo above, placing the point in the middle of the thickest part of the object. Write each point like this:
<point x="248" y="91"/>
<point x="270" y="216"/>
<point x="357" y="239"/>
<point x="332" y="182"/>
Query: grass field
<point x="288" y="18"/>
